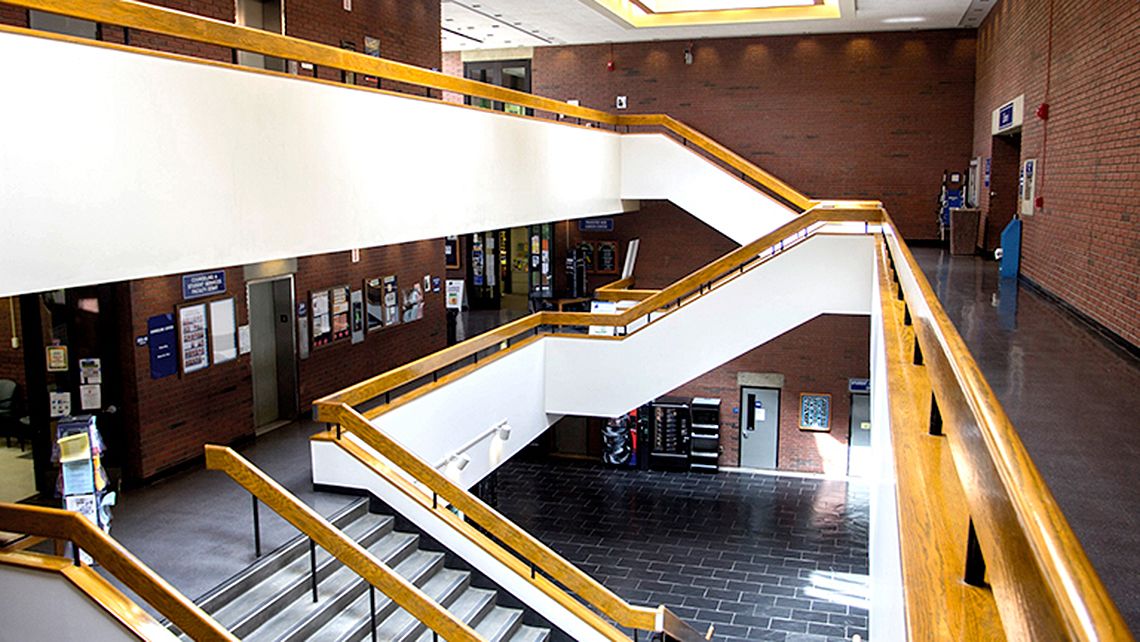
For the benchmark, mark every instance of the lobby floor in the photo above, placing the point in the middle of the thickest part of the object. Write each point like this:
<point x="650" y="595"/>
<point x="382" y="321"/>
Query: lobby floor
<point x="762" y="557"/>
<point x="1074" y="399"/>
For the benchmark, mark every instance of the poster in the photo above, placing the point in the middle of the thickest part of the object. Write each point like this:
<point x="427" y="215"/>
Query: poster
<point x="815" y="411"/>
<point x="192" y="329"/>
<point x="90" y="371"/>
<point x="341" y="329"/>
<point x="302" y="331"/>
<point x="607" y="257"/>
<point x="451" y="253"/>
<point x="454" y="294"/>
<point x="435" y="283"/>
<point x="414" y="303"/>
<point x="322" y="319"/>
<point x="57" y="358"/>
<point x="357" y="316"/>
<point x="60" y="403"/>
<point x="243" y="339"/>
<point x="391" y="304"/>
<point x="477" y="259"/>
<point x="223" y="331"/>
<point x="90" y="397"/>
<point x="160" y="341"/>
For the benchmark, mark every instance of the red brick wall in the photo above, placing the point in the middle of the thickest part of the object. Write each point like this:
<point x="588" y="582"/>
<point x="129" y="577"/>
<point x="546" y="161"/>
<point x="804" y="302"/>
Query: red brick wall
<point x="1084" y="246"/>
<point x="837" y="116"/>
<point x="178" y="414"/>
<point x="11" y="360"/>
<point x="337" y="365"/>
<point x="816" y="357"/>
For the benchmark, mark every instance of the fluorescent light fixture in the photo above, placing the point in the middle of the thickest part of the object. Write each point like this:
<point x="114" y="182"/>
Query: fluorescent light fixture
<point x="666" y="6"/>
<point x="903" y="20"/>
<point x="676" y="13"/>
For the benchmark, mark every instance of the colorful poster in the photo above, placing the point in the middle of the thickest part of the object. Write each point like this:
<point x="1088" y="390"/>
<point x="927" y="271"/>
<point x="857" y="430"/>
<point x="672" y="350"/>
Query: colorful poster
<point x="90" y="371"/>
<point x="193" y="329"/>
<point x="322" y="319"/>
<point x="341" y="328"/>
<point x="57" y="358"/>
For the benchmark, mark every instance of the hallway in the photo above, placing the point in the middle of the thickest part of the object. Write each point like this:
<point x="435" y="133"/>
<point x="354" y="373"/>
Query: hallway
<point x="1073" y="398"/>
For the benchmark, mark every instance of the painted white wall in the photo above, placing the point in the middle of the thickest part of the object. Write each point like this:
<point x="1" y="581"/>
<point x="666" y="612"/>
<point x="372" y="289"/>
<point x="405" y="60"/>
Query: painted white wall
<point x="887" y="616"/>
<point x="333" y="466"/>
<point x="39" y="605"/>
<point x="656" y="166"/>
<point x="138" y="166"/>
<point x="435" y="425"/>
<point x="824" y="274"/>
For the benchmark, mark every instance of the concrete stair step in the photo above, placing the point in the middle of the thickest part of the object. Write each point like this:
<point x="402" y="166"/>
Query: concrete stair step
<point x="444" y="588"/>
<point x="530" y="634"/>
<point x="253" y="608"/>
<point x="470" y="607"/>
<point x="304" y="617"/>
<point x="499" y="624"/>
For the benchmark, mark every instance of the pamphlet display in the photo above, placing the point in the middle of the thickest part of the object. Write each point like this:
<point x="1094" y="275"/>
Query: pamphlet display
<point x="322" y="318"/>
<point x="82" y="481"/>
<point x="357" y="306"/>
<point x="223" y="331"/>
<point x="192" y="330"/>
<point x="339" y="313"/>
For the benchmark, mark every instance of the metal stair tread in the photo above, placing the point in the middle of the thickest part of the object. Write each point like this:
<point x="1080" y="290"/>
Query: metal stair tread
<point x="241" y="613"/>
<point x="499" y="624"/>
<point x="443" y="588"/>
<point x="304" y="617"/>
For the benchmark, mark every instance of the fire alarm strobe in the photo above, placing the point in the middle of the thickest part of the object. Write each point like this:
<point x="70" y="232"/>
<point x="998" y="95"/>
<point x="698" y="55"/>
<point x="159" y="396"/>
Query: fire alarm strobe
<point x="1043" y="111"/>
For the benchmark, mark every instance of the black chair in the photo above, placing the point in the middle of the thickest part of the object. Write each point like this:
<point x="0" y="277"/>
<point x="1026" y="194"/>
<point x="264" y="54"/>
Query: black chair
<point x="9" y="413"/>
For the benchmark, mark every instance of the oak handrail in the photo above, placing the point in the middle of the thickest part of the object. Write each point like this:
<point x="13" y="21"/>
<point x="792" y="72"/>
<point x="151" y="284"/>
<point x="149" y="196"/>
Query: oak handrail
<point x="1085" y="608"/>
<point x="407" y="595"/>
<point x="148" y="585"/>
<point x="146" y="17"/>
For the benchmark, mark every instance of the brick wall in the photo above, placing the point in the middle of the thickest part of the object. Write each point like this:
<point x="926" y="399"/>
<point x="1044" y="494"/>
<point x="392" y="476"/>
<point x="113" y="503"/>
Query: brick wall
<point x="837" y="116"/>
<point x="452" y="65"/>
<point x="337" y="365"/>
<point x="1084" y="246"/>
<point x="11" y="359"/>
<point x="818" y="356"/>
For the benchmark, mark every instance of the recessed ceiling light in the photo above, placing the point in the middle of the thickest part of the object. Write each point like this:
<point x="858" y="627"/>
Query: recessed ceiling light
<point x="904" y="20"/>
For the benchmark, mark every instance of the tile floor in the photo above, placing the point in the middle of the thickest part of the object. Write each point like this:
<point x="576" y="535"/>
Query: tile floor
<point x="761" y="557"/>
<point x="1074" y="400"/>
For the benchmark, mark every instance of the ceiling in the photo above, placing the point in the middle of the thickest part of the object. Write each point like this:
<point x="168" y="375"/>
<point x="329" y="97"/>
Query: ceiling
<point x="497" y="24"/>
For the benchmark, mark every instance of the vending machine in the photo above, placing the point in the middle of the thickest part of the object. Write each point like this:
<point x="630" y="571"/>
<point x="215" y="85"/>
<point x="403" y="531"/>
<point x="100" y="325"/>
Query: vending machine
<point x="671" y="421"/>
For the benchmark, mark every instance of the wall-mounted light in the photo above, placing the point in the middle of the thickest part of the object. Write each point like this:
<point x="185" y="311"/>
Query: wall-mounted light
<point x="355" y="255"/>
<point x="503" y="430"/>
<point x="458" y="461"/>
<point x="689" y="54"/>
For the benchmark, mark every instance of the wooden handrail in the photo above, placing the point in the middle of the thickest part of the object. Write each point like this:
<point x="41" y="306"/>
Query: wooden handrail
<point x="340" y="546"/>
<point x="146" y="17"/>
<point x="66" y="525"/>
<point x="1045" y="585"/>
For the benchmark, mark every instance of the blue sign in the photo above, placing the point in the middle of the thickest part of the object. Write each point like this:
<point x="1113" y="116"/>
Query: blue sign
<point x="161" y="340"/>
<point x="596" y="225"/>
<point x="196" y="286"/>
<point x="859" y="386"/>
<point x="1005" y="116"/>
<point x="988" y="171"/>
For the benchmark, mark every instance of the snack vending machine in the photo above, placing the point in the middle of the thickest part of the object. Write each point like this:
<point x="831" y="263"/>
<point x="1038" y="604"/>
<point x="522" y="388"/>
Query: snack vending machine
<point x="671" y="421"/>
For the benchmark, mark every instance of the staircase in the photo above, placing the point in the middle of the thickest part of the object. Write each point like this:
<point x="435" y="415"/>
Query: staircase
<point x="273" y="599"/>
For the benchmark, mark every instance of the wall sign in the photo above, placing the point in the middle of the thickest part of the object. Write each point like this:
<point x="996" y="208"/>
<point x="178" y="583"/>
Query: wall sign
<point x="596" y="225"/>
<point x="57" y="358"/>
<point x="859" y="386"/>
<point x="815" y="411"/>
<point x="454" y="294"/>
<point x="160" y="340"/>
<point x="196" y="286"/>
<point x="193" y="328"/>
<point x="451" y="253"/>
<point x="607" y="261"/>
<point x="1009" y="116"/>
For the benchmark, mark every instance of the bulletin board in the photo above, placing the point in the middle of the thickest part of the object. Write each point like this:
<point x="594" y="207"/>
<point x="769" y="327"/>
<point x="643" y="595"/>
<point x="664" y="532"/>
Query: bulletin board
<point x="606" y="257"/>
<point x="223" y="331"/>
<point x="451" y="259"/>
<point x="815" y="411"/>
<point x="321" y="315"/>
<point x="339" y="299"/>
<point x="193" y="341"/>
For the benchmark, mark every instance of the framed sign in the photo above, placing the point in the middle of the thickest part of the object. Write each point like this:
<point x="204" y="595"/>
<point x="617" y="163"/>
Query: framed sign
<point x="391" y="302"/>
<point x="451" y="253"/>
<point x="193" y="330"/>
<point x="161" y="343"/>
<point x="815" y="411"/>
<point x="223" y="331"/>
<point x="322" y="317"/>
<point x="57" y="358"/>
<point x="338" y="308"/>
<point x="606" y="260"/>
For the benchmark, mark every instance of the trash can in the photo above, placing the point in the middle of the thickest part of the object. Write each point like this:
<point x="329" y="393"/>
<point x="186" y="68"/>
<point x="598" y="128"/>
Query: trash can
<point x="964" y="230"/>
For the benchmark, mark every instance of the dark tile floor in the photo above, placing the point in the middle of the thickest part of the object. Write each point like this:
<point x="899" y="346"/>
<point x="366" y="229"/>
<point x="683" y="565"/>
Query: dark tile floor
<point x="762" y="557"/>
<point x="1074" y="400"/>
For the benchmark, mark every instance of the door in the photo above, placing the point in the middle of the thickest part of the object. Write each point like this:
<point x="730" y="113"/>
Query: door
<point x="512" y="74"/>
<point x="259" y="14"/>
<point x="272" y="352"/>
<point x="859" y="458"/>
<point x="1003" y="196"/>
<point x="760" y="427"/>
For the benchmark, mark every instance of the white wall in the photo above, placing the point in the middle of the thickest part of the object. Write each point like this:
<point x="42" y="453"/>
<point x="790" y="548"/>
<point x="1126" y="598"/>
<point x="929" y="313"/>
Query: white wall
<point x="888" y="608"/>
<point x="435" y="425"/>
<point x="824" y="274"/>
<point x="332" y="466"/>
<point x="656" y="166"/>
<point x="41" y="605"/>
<point x="136" y="166"/>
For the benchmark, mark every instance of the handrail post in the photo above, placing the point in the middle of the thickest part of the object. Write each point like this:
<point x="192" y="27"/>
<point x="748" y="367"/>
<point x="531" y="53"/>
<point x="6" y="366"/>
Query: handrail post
<point x="313" y="566"/>
<point x="256" y="527"/>
<point x="372" y="609"/>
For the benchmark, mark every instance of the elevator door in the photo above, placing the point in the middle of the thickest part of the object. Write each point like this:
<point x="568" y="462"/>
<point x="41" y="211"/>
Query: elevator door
<point x="272" y="352"/>
<point x="759" y="427"/>
<point x="859" y="459"/>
